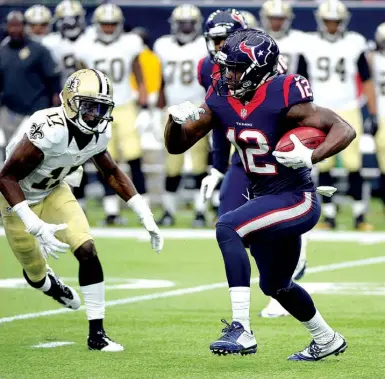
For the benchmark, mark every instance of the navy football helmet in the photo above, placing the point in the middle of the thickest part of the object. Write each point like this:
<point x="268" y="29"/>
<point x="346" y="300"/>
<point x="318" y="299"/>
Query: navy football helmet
<point x="219" y="25"/>
<point x="247" y="59"/>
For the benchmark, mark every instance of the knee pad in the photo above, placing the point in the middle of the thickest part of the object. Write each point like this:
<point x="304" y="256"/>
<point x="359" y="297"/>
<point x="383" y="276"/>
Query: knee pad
<point x="86" y="252"/>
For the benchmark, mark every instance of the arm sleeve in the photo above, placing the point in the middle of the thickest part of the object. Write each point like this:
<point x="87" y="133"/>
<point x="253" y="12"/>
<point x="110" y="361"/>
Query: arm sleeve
<point x="363" y="68"/>
<point x="296" y="89"/>
<point x="302" y="67"/>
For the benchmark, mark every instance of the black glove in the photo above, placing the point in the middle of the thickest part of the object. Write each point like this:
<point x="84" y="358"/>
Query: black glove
<point x="371" y="125"/>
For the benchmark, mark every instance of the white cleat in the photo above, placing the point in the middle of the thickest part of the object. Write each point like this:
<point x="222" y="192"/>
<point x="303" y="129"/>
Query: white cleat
<point x="315" y="352"/>
<point x="274" y="310"/>
<point x="100" y="341"/>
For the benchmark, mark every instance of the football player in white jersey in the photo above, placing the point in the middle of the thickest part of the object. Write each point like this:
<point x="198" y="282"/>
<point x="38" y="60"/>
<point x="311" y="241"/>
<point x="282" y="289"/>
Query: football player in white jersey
<point x="180" y="53"/>
<point x="334" y="58"/>
<point x="38" y="20"/>
<point x="41" y="216"/>
<point x="276" y="18"/>
<point x="250" y="19"/>
<point x="116" y="54"/>
<point x="376" y="58"/>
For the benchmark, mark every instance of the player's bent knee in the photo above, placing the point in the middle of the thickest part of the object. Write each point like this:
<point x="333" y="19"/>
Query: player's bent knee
<point x="273" y="288"/>
<point x="86" y="251"/>
<point x="225" y="232"/>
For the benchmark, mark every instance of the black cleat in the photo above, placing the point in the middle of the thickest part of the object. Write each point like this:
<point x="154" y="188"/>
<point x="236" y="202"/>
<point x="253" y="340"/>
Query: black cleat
<point x="166" y="220"/>
<point x="100" y="341"/>
<point x="199" y="221"/>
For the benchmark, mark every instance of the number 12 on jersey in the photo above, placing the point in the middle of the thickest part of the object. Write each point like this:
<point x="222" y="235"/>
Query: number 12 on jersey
<point x="249" y="154"/>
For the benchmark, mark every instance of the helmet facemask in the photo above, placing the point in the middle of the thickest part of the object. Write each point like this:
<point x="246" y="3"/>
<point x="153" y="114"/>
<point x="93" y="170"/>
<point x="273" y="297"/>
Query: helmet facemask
<point x="215" y="38"/>
<point x="71" y="26"/>
<point x="108" y="37"/>
<point x="186" y="31"/>
<point x="91" y="115"/>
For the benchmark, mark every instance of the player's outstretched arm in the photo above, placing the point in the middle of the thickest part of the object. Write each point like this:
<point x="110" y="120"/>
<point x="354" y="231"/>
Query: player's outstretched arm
<point x="25" y="158"/>
<point x="186" y="125"/>
<point x="123" y="186"/>
<point x="339" y="132"/>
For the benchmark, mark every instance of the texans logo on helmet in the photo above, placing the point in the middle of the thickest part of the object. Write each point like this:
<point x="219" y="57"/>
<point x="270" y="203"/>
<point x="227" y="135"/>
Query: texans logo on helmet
<point x="260" y="58"/>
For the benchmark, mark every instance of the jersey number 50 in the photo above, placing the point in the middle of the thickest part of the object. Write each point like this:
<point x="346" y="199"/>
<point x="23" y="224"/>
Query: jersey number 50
<point x="247" y="155"/>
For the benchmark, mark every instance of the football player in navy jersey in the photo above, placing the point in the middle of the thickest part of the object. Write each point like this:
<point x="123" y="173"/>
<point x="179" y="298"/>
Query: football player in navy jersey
<point x="235" y="189"/>
<point x="255" y="106"/>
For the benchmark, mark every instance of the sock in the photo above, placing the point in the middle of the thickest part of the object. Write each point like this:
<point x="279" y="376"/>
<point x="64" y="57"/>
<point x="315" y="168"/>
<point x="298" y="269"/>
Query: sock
<point x="42" y="285"/>
<point x="95" y="326"/>
<point x="237" y="263"/>
<point x="240" y="303"/>
<point x="111" y="205"/>
<point x="356" y="185"/>
<point x="296" y="301"/>
<point x="169" y="200"/>
<point x="94" y="300"/>
<point x="199" y="204"/>
<point x="321" y="332"/>
<point x="359" y="208"/>
<point x="329" y="210"/>
<point x="137" y="175"/>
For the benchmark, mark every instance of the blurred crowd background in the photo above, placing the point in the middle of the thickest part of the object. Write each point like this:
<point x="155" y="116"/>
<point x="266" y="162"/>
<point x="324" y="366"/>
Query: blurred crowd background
<point x="56" y="29"/>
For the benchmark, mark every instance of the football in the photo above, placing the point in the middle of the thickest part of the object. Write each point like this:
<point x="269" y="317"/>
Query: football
<point x="310" y="137"/>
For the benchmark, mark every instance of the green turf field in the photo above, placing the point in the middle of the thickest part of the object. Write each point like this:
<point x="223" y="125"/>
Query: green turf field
<point x="167" y="326"/>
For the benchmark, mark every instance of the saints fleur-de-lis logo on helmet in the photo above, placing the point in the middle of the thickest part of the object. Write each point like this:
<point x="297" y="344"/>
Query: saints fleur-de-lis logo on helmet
<point x="73" y="84"/>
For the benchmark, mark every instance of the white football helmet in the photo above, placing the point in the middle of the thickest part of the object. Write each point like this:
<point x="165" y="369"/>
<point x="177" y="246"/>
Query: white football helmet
<point x="251" y="21"/>
<point x="336" y="11"/>
<point x="186" y="23"/>
<point x="276" y="17"/>
<point x="38" y="20"/>
<point x="87" y="100"/>
<point x="379" y="37"/>
<point x="109" y="21"/>
<point x="70" y="19"/>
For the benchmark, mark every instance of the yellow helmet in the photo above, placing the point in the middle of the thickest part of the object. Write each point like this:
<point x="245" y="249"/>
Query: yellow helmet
<point x="87" y="100"/>
<point x="379" y="37"/>
<point x="38" y="15"/>
<point x="276" y="9"/>
<point x="332" y="10"/>
<point x="251" y="21"/>
<point x="108" y="14"/>
<point x="186" y="23"/>
<point x="70" y="18"/>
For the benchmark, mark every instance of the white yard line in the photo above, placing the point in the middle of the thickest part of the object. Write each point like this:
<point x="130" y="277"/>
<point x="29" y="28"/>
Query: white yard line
<point x="185" y="291"/>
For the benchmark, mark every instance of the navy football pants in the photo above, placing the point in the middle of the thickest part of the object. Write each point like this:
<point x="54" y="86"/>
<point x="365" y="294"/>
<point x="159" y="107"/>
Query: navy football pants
<point x="272" y="225"/>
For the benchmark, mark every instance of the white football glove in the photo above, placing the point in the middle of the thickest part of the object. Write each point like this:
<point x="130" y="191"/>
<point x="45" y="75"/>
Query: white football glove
<point x="143" y="211"/>
<point x="143" y="121"/>
<point x="299" y="157"/>
<point x="44" y="232"/>
<point x="183" y="112"/>
<point x="209" y="183"/>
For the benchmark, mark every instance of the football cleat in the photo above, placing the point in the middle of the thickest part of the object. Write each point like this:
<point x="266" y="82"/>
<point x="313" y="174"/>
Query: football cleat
<point x="199" y="221"/>
<point x="113" y="220"/>
<point x="327" y="224"/>
<point x="299" y="271"/>
<point x="166" y="220"/>
<point x="235" y="340"/>
<point x="62" y="293"/>
<point x="315" y="352"/>
<point x="100" y="341"/>
<point x="273" y="310"/>
<point x="363" y="226"/>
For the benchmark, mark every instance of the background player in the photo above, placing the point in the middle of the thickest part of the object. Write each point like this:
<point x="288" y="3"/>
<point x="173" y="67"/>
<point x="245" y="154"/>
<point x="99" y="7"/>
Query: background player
<point x="276" y="18"/>
<point x="334" y="58"/>
<point x="251" y="97"/>
<point x="37" y="204"/>
<point x="235" y="189"/>
<point x="180" y="53"/>
<point x="116" y="54"/>
<point x="38" y="20"/>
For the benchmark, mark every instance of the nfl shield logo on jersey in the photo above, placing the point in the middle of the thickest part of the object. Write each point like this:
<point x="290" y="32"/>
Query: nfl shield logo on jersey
<point x="243" y="113"/>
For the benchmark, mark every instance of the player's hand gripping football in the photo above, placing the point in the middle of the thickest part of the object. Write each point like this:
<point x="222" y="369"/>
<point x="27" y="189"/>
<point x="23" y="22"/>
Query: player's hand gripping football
<point x="209" y="183"/>
<point x="143" y="211"/>
<point x="183" y="112"/>
<point x="299" y="157"/>
<point x="45" y="234"/>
